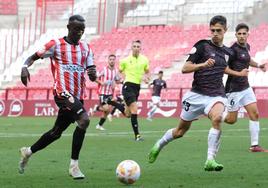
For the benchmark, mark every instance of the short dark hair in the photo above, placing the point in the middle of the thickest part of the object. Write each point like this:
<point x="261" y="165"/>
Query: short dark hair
<point x="160" y="72"/>
<point x="241" y="26"/>
<point x="111" y="55"/>
<point x="137" y="41"/>
<point x="76" y="17"/>
<point x="218" y="19"/>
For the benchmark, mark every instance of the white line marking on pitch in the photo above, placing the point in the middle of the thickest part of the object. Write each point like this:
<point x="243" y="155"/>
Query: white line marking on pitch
<point x="123" y="133"/>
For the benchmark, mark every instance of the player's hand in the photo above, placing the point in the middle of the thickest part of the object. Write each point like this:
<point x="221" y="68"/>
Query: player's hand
<point x="262" y="67"/>
<point x="25" y="76"/>
<point x="244" y="72"/>
<point x="92" y="73"/>
<point x="210" y="62"/>
<point x="146" y="79"/>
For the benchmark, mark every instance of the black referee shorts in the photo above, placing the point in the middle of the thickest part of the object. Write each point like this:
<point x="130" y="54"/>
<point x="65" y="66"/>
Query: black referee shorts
<point x="130" y="92"/>
<point x="70" y="106"/>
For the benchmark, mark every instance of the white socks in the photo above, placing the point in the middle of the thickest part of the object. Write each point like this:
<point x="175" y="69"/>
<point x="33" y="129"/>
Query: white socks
<point x="254" y="129"/>
<point x="74" y="162"/>
<point x="29" y="151"/>
<point x="168" y="136"/>
<point x="152" y="111"/>
<point x="213" y="143"/>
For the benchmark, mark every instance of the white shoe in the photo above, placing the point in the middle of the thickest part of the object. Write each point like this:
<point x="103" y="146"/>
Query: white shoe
<point x="98" y="127"/>
<point x="25" y="155"/>
<point x="110" y="117"/>
<point x="75" y="172"/>
<point x="149" y="119"/>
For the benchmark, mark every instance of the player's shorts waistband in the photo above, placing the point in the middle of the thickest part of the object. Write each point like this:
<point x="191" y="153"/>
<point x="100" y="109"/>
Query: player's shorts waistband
<point x="132" y="84"/>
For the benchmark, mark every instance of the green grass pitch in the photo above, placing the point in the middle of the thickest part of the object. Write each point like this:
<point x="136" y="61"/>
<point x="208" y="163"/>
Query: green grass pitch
<point x="180" y="164"/>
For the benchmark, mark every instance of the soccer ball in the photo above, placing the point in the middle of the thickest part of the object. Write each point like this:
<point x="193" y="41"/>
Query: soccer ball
<point x="128" y="171"/>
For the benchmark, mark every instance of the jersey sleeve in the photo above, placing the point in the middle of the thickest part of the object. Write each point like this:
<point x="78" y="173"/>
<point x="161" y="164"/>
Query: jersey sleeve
<point x="47" y="50"/>
<point x="146" y="67"/>
<point x="196" y="52"/>
<point x="122" y="65"/>
<point x="100" y="74"/>
<point x="89" y="60"/>
<point x="165" y="84"/>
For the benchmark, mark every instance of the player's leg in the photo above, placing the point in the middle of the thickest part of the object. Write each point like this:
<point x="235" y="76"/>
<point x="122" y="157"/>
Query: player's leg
<point x="155" y="100"/>
<point x="133" y="108"/>
<point x="170" y="135"/>
<point x="230" y="116"/>
<point x="215" y="115"/>
<point x="190" y="111"/>
<point x="106" y="111"/>
<point x="131" y="94"/>
<point x="254" y="127"/>
<point x="81" y="117"/>
<point x="62" y="122"/>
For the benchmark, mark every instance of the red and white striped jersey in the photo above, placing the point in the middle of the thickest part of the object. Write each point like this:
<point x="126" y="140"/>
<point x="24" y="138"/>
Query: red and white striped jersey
<point x="107" y="76"/>
<point x="68" y="65"/>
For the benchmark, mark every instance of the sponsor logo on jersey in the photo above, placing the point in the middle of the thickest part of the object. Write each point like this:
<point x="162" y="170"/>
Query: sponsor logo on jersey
<point x="72" y="68"/>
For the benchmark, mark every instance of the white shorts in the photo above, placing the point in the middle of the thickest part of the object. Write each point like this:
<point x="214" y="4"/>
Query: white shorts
<point x="195" y="105"/>
<point x="239" y="99"/>
<point x="156" y="99"/>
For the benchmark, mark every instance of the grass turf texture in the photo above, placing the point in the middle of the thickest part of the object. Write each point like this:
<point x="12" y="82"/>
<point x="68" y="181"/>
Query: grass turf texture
<point x="180" y="164"/>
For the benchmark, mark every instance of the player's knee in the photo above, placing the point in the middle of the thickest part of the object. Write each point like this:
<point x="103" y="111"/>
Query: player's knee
<point x="230" y="120"/>
<point x="83" y="122"/>
<point x="216" y="119"/>
<point x="254" y="116"/>
<point x="55" y="133"/>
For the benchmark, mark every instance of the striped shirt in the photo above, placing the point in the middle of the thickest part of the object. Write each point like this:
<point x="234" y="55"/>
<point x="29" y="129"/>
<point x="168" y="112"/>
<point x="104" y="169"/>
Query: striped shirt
<point x="68" y="65"/>
<point x="107" y="76"/>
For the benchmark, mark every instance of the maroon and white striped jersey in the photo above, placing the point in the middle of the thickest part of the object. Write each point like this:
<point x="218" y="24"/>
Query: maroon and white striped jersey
<point x="68" y="65"/>
<point x="108" y="77"/>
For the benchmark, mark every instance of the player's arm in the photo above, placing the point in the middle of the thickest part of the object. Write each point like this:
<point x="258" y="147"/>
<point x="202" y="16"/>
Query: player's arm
<point x="90" y="67"/>
<point x="253" y="63"/>
<point x="165" y="86"/>
<point x="25" y="75"/>
<point x="231" y="72"/>
<point x="189" y="66"/>
<point x="147" y="75"/>
<point x="193" y="61"/>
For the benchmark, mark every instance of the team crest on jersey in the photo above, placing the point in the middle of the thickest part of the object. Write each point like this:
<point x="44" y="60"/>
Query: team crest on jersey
<point x="226" y="58"/>
<point x="71" y="99"/>
<point x="212" y="54"/>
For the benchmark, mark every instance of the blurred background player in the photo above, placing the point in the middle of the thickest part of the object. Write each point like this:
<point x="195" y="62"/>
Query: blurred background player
<point x="158" y="84"/>
<point x="106" y="85"/>
<point x="68" y="90"/>
<point x="239" y="93"/>
<point x="135" y="68"/>
<point x="208" y="60"/>
<point x="118" y="98"/>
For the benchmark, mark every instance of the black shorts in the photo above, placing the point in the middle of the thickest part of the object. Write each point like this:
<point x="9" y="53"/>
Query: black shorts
<point x="69" y="105"/>
<point x="130" y="92"/>
<point x="105" y="98"/>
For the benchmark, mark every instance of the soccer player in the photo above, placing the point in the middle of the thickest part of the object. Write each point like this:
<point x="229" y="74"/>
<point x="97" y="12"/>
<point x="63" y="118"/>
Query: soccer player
<point x="208" y="60"/>
<point x="239" y="93"/>
<point x="158" y="85"/>
<point x="106" y="81"/>
<point x="70" y="58"/>
<point x="135" y="68"/>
